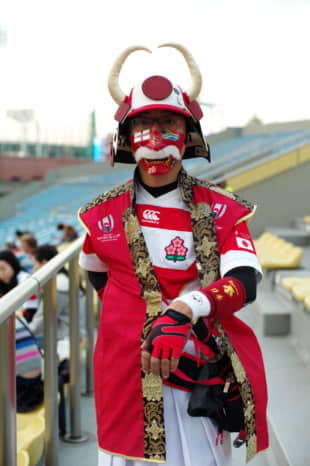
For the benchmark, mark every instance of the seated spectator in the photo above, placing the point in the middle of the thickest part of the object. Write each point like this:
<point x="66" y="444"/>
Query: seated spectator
<point x="10" y="246"/>
<point x="18" y="235"/>
<point x="12" y="274"/>
<point x="28" y="243"/>
<point x="69" y="233"/>
<point x="29" y="384"/>
<point x="41" y="256"/>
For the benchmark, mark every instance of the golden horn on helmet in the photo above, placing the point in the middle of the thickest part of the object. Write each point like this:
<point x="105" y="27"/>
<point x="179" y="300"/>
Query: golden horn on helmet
<point x="113" y="79"/>
<point x="194" y="90"/>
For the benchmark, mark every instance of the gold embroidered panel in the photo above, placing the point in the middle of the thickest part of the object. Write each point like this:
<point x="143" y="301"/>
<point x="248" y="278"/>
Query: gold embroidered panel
<point x="245" y="392"/>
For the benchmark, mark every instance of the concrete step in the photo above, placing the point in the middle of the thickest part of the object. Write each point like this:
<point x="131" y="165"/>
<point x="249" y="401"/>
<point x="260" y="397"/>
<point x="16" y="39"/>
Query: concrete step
<point x="288" y="378"/>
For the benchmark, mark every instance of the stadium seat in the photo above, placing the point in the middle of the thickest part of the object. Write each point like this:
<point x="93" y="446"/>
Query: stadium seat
<point x="307" y="303"/>
<point x="290" y="282"/>
<point x="301" y="291"/>
<point x="275" y="253"/>
<point x="23" y="458"/>
<point x="30" y="435"/>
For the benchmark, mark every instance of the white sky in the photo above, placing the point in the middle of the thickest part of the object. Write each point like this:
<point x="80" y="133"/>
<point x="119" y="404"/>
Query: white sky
<point x="252" y="55"/>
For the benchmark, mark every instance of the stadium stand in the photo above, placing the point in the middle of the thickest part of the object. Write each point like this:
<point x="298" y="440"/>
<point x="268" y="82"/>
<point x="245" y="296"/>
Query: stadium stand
<point x="56" y="204"/>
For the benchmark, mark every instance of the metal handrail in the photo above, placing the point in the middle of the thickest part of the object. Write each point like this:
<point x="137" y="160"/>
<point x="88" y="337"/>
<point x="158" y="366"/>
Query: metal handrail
<point x="44" y="278"/>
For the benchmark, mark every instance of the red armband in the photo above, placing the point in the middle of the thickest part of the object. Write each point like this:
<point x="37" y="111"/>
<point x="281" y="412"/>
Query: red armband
<point x="226" y="296"/>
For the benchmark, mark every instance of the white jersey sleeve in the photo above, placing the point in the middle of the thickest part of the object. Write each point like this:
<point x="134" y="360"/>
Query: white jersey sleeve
<point x="89" y="260"/>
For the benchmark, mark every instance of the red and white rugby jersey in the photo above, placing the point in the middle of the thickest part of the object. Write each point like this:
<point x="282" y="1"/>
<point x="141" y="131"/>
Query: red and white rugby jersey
<point x="166" y="225"/>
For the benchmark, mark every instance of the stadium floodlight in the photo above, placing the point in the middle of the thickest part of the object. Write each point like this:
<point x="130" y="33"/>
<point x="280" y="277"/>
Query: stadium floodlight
<point x="22" y="116"/>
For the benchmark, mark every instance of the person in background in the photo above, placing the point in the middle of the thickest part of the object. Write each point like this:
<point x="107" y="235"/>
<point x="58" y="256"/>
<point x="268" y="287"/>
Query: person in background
<point x="11" y="275"/>
<point x="69" y="233"/>
<point x="28" y="243"/>
<point x="18" y="235"/>
<point x="173" y="260"/>
<point x="41" y="255"/>
<point x="10" y="246"/>
<point x="29" y="383"/>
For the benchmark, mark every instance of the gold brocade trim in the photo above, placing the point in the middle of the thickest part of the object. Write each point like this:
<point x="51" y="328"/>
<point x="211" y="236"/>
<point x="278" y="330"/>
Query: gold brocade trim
<point x="153" y="406"/>
<point x="213" y="187"/>
<point x="134" y="458"/>
<point x="245" y="392"/>
<point x="152" y="387"/>
<point x="204" y="236"/>
<point x="114" y="192"/>
<point x="81" y="222"/>
<point x="247" y="217"/>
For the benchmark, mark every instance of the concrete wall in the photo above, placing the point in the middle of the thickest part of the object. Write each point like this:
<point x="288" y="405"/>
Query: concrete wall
<point x="280" y="199"/>
<point x="31" y="168"/>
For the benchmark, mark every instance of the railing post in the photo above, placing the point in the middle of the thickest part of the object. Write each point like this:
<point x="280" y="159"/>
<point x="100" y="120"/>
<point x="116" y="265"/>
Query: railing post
<point x="75" y="435"/>
<point x="50" y="374"/>
<point x="7" y="393"/>
<point x="90" y="328"/>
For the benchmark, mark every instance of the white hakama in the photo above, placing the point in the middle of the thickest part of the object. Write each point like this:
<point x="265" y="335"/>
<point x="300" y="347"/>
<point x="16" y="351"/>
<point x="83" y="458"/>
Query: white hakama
<point x="190" y="441"/>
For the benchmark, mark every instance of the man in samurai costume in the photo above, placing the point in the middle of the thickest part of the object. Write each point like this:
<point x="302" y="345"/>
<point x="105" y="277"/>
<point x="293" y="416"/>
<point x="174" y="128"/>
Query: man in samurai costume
<point x="168" y="253"/>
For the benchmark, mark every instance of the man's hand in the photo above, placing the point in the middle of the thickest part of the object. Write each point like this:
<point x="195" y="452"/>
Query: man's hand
<point x="164" y="344"/>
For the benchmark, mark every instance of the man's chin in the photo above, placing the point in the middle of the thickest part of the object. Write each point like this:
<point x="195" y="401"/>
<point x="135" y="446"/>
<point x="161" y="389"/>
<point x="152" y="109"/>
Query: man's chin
<point x="157" y="167"/>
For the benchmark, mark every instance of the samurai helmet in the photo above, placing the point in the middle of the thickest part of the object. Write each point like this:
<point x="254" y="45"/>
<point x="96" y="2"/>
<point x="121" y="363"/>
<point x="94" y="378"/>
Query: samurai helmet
<point x="157" y="92"/>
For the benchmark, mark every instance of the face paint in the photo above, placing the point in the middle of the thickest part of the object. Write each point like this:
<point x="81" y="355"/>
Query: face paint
<point x="157" y="167"/>
<point x="155" y="151"/>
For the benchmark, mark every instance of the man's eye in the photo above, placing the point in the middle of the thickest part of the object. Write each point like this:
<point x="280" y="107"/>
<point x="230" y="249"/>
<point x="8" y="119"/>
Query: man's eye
<point x="144" y="122"/>
<point x="168" y="121"/>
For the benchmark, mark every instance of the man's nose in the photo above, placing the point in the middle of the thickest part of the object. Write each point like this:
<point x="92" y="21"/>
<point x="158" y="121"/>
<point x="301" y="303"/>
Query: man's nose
<point x="155" y="125"/>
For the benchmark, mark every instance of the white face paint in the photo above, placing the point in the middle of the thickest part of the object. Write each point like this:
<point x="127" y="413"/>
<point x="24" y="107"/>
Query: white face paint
<point x="149" y="154"/>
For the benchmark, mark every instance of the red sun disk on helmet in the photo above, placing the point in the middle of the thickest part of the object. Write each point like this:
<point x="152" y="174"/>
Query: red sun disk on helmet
<point x="157" y="87"/>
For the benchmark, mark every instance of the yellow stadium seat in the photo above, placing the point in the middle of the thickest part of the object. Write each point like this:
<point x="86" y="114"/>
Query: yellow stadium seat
<point x="30" y="435"/>
<point x="275" y="253"/>
<point x="300" y="292"/>
<point x="289" y="282"/>
<point x="23" y="458"/>
<point x="307" y="219"/>
<point x="307" y="303"/>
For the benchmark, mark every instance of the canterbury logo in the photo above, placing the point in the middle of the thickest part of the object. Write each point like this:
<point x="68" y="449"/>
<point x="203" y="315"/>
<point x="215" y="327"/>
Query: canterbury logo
<point x="150" y="215"/>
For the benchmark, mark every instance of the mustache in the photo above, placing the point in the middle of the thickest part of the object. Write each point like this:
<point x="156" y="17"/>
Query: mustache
<point x="146" y="153"/>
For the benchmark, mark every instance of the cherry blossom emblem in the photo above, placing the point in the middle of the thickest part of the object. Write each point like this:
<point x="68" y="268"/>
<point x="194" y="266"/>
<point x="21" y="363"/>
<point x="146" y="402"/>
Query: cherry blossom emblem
<point x="176" y="251"/>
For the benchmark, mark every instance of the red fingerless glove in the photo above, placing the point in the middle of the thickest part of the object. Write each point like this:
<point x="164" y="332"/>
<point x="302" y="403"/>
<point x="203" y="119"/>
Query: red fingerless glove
<point x="168" y="335"/>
